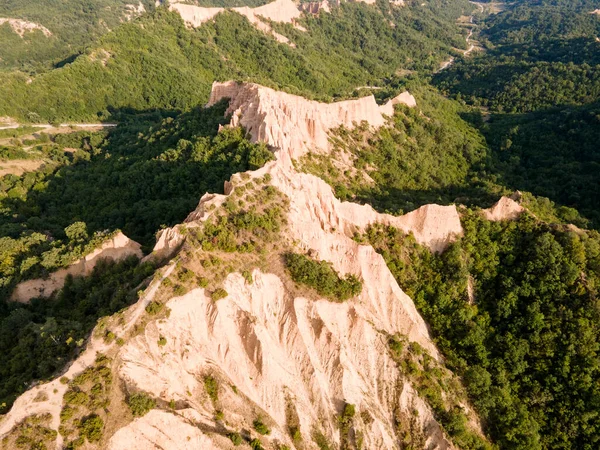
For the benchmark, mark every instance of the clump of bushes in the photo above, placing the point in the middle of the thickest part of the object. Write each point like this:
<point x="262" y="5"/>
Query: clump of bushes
<point x="321" y="276"/>
<point x="212" y="387"/>
<point x="236" y="438"/>
<point x="346" y="420"/>
<point x="91" y="428"/>
<point x="140" y="404"/>
<point x="218" y="294"/>
<point x="260" y="426"/>
<point x="179" y="289"/>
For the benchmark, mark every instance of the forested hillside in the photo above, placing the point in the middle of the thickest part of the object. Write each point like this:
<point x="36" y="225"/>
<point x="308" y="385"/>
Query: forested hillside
<point x="514" y="308"/>
<point x="538" y="84"/>
<point x="73" y="24"/>
<point x="512" y="305"/>
<point x="157" y="62"/>
<point x="144" y="175"/>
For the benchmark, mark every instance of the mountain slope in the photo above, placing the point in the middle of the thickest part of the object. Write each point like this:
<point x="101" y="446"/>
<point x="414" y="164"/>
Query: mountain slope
<point x="67" y="27"/>
<point x="230" y="344"/>
<point x="157" y="62"/>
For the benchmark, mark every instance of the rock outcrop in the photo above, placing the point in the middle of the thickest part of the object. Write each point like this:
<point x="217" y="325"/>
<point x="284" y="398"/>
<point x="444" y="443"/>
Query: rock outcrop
<point x="168" y="241"/>
<point x="317" y="7"/>
<point x="22" y="26"/>
<point x="280" y="353"/>
<point x="132" y="11"/>
<point x="275" y="353"/>
<point x="505" y="209"/>
<point x="28" y="404"/>
<point x="292" y="123"/>
<point x="148" y="432"/>
<point x="116" y="248"/>
<point x="284" y="11"/>
<point x="405" y="98"/>
<point x="277" y="349"/>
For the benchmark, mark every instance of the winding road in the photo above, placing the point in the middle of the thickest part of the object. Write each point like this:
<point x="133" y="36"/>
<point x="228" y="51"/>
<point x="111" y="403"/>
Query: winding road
<point x="472" y="47"/>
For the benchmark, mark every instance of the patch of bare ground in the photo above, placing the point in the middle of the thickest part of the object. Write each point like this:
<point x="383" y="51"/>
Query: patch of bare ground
<point x="19" y="166"/>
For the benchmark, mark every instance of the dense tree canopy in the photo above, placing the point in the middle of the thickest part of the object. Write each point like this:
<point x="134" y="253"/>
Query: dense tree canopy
<point x="147" y="173"/>
<point x="525" y="335"/>
<point x="158" y="62"/>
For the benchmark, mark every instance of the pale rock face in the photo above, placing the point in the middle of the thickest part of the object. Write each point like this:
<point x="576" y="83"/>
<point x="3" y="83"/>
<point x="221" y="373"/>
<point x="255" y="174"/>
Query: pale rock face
<point x="312" y="200"/>
<point x="27" y="403"/>
<point x="505" y="209"/>
<point x="317" y="7"/>
<point x="273" y="347"/>
<point x="22" y="26"/>
<point x="132" y="11"/>
<point x="292" y="123"/>
<point x="295" y="125"/>
<point x="149" y="432"/>
<point x="277" y="348"/>
<point x="284" y="11"/>
<point x="168" y="241"/>
<point x="116" y="248"/>
<point x="405" y="98"/>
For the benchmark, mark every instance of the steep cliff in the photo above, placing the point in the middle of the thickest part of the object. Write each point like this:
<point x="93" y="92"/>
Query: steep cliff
<point x="292" y="123"/>
<point x="116" y="247"/>
<point x="268" y="354"/>
<point x="284" y="11"/>
<point x="505" y="209"/>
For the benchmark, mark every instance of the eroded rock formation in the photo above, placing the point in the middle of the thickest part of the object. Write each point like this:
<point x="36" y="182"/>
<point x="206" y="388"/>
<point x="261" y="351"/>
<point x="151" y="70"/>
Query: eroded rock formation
<point x="22" y="26"/>
<point x="116" y="248"/>
<point x="292" y="123"/>
<point x="284" y="11"/>
<point x="281" y="352"/>
<point x="317" y="7"/>
<point x="276" y="354"/>
<point x="505" y="209"/>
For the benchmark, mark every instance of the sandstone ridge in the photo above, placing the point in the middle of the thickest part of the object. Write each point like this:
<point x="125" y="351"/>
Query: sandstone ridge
<point x="116" y="248"/>
<point x="292" y="123"/>
<point x="278" y="349"/>
<point x="284" y="11"/>
<point x="507" y="208"/>
<point x="275" y="354"/>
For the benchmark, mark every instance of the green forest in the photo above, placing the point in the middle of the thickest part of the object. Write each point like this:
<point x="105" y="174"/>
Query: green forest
<point x="526" y="340"/>
<point x="535" y="92"/>
<point x="157" y="62"/>
<point x="147" y="174"/>
<point x="512" y="305"/>
<point x="74" y="25"/>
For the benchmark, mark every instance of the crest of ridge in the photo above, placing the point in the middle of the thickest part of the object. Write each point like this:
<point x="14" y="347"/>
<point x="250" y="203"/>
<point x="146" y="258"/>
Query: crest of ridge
<point x="292" y="123"/>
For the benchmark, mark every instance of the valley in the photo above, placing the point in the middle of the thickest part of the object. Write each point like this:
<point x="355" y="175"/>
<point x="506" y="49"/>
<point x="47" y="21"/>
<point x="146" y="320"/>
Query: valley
<point x="269" y="225"/>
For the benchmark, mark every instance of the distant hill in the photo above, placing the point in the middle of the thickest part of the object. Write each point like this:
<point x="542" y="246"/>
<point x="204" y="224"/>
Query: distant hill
<point x="73" y="25"/>
<point x="159" y="62"/>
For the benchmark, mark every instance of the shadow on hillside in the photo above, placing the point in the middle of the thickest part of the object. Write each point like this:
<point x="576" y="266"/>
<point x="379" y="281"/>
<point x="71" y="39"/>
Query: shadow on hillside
<point x="551" y="153"/>
<point x="401" y="201"/>
<point x="150" y="172"/>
